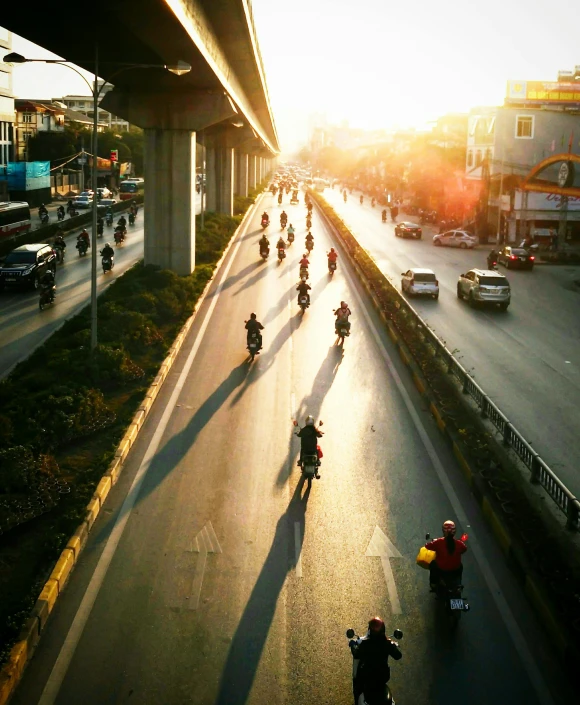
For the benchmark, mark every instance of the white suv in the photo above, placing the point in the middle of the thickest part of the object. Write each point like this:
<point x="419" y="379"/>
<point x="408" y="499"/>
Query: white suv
<point x="484" y="286"/>
<point x="420" y="281"/>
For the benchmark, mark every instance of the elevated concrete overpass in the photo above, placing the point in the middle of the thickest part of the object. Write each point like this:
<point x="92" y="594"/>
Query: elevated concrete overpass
<point x="222" y="102"/>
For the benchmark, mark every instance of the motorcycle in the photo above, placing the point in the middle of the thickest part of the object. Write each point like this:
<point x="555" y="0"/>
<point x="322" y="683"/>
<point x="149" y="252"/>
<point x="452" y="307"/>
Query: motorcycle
<point x="44" y="219"/>
<point x="373" y="202"/>
<point x="342" y="329"/>
<point x="331" y="267"/>
<point x="264" y="253"/>
<point x="264" y="223"/>
<point x="59" y="253"/>
<point x="309" y="245"/>
<point x="119" y="237"/>
<point x="281" y="254"/>
<point x="361" y="200"/>
<point x="310" y="463"/>
<point x="82" y="247"/>
<point x="290" y="237"/>
<point x="353" y="641"/>
<point x="282" y="223"/>
<point x="100" y="230"/>
<point x="131" y="218"/>
<point x="46" y="297"/>
<point x="492" y="264"/>
<point x="303" y="302"/>
<point x="304" y="273"/>
<point x="109" y="220"/>
<point x="308" y="223"/>
<point x="450" y="592"/>
<point x="344" y="196"/>
<point x="280" y="198"/>
<point x="108" y="263"/>
<point x="253" y="345"/>
<point x="60" y="215"/>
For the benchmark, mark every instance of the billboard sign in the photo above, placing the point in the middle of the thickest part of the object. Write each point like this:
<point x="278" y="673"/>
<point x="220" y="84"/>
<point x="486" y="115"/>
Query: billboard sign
<point x="545" y="202"/>
<point x="541" y="92"/>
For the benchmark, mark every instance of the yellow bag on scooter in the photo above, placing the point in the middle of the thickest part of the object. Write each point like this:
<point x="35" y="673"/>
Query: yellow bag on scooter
<point x="425" y="557"/>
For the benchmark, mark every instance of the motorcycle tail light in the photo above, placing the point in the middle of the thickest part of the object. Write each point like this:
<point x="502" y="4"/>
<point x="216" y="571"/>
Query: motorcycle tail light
<point x="532" y="259"/>
<point x="513" y="257"/>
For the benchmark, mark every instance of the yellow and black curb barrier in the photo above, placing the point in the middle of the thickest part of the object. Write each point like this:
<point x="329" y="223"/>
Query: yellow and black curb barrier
<point x="21" y="652"/>
<point x="510" y="545"/>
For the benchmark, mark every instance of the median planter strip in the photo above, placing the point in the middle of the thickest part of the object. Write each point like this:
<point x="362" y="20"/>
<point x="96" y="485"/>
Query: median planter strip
<point x="495" y="483"/>
<point x="21" y="652"/>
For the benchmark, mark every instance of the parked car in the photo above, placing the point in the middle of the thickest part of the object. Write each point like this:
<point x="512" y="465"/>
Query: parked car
<point x="420" y="281"/>
<point x="455" y="238"/>
<point x="515" y="258"/>
<point x="83" y="202"/>
<point x="484" y="286"/>
<point x="25" y="265"/>
<point x="407" y="229"/>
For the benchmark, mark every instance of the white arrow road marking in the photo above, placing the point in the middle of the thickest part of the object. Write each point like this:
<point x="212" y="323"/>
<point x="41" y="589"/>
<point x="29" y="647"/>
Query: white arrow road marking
<point x="381" y="546"/>
<point x="205" y="542"/>
<point x="298" y="549"/>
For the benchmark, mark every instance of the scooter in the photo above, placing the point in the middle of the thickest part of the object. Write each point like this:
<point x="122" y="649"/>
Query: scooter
<point x="119" y="237"/>
<point x="450" y="593"/>
<point x="131" y="218"/>
<point x="44" y="219"/>
<point x="253" y="345"/>
<point x="342" y="329"/>
<point x="353" y="642"/>
<point x="384" y="216"/>
<point x="264" y="223"/>
<point x="303" y="302"/>
<point x="60" y="215"/>
<point x="283" y="223"/>
<point x="331" y="267"/>
<point x="310" y="463"/>
<point x="46" y="297"/>
<point x="304" y="273"/>
<point x="82" y="247"/>
<point x="109" y="221"/>
<point x="108" y="264"/>
<point x="309" y="245"/>
<point x="59" y="254"/>
<point x="281" y="254"/>
<point x="290" y="238"/>
<point x="264" y="253"/>
<point x="492" y="264"/>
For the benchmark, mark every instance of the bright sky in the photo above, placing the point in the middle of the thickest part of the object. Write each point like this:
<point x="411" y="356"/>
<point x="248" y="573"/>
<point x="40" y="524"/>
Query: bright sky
<point x="382" y="63"/>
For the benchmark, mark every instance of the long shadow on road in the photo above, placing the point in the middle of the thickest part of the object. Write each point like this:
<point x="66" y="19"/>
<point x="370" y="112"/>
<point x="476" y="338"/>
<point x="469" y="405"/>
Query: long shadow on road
<point x="250" y="638"/>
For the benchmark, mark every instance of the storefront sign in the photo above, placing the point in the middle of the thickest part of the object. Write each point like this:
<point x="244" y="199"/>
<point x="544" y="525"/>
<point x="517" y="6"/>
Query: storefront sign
<point x="545" y="202"/>
<point x="542" y="92"/>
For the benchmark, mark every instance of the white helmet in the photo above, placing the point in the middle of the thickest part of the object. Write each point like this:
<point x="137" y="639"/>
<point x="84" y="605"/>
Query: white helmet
<point x="310" y="420"/>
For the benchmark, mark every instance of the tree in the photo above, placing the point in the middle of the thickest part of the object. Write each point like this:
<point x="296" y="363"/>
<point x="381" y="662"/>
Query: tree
<point x="50" y="147"/>
<point x="134" y="140"/>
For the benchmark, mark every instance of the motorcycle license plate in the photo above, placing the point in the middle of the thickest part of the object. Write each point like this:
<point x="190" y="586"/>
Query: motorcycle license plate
<point x="456" y="604"/>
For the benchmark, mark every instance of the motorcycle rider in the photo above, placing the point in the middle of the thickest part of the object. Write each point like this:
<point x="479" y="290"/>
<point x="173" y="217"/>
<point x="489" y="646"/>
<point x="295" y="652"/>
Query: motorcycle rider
<point x="309" y="436"/>
<point x="42" y="210"/>
<point x="309" y="239"/>
<point x="100" y="226"/>
<point x="59" y="244"/>
<point x="281" y="244"/>
<point x="373" y="202"/>
<point x="70" y="205"/>
<point x="47" y="283"/>
<point x="134" y="207"/>
<point x="447" y="562"/>
<point x="265" y="217"/>
<point x="384" y="215"/>
<point x="264" y="244"/>
<point x="290" y="230"/>
<point x="361" y="199"/>
<point x="122" y="222"/>
<point x="280" y="198"/>
<point x="107" y="252"/>
<point x="84" y="237"/>
<point x="332" y="255"/>
<point x="283" y="218"/>
<point x="304" y="262"/>
<point x="308" y="222"/>
<point x="254" y="326"/>
<point x="60" y="212"/>
<point x="303" y="288"/>
<point x="342" y="315"/>
<point x="344" y="195"/>
<point x="492" y="259"/>
<point x="373" y="670"/>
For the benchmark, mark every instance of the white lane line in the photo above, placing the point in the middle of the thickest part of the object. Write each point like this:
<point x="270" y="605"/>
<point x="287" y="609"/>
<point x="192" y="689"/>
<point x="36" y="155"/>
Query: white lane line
<point x="54" y="682"/>
<point x="391" y="586"/>
<point x="297" y="549"/>
<point x="503" y="608"/>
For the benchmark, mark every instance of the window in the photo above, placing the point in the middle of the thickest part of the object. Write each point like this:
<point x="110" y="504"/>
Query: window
<point x="525" y="127"/>
<point x="469" y="158"/>
<point x="26" y="117"/>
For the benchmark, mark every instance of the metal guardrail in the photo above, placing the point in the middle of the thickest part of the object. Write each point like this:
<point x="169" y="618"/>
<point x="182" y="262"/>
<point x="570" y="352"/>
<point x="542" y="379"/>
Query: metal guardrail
<point x="541" y="473"/>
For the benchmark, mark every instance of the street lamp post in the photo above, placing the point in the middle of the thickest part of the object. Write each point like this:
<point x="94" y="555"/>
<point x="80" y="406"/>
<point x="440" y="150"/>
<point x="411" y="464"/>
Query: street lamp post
<point x="179" y="69"/>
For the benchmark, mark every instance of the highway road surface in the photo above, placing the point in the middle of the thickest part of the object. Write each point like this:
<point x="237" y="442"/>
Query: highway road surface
<point x="526" y="359"/>
<point x="215" y="576"/>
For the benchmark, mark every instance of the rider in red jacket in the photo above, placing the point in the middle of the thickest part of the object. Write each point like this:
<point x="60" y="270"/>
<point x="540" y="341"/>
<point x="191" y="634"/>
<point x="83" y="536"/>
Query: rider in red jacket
<point x="448" y="551"/>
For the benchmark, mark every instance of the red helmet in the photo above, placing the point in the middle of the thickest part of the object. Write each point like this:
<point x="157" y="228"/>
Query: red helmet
<point x="448" y="528"/>
<point x="376" y="626"/>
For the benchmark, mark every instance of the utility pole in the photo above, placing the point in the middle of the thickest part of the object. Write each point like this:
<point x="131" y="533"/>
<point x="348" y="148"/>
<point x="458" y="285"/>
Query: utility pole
<point x="95" y="201"/>
<point x="498" y="238"/>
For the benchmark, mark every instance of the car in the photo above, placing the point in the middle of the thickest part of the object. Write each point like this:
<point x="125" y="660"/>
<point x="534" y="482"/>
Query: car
<point x="106" y="202"/>
<point x="480" y="286"/>
<point x="89" y="192"/>
<point x="25" y="265"/>
<point x="421" y="281"/>
<point x="515" y="258"/>
<point x="103" y="193"/>
<point x="455" y="238"/>
<point x="408" y="229"/>
<point x="83" y="202"/>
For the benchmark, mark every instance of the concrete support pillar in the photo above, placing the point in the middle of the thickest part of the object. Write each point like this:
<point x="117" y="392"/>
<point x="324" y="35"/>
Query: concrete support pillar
<point x="210" y="179"/>
<point x="259" y="175"/>
<point x="242" y="173"/>
<point x="252" y="159"/>
<point x="224" y="178"/>
<point x="170" y="213"/>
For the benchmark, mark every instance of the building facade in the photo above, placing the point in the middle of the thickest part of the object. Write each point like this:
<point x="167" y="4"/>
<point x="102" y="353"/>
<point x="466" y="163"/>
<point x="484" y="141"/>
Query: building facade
<point x="84" y="104"/>
<point x="6" y="110"/>
<point x="504" y="143"/>
<point x="33" y="117"/>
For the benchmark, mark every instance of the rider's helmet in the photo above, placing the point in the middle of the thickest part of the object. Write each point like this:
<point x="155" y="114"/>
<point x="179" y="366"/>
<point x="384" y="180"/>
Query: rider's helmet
<point x="332" y="249"/>
<point x="343" y="304"/>
<point x="310" y="420"/>
<point x="253" y="316"/>
<point x="448" y="528"/>
<point x="376" y="627"/>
